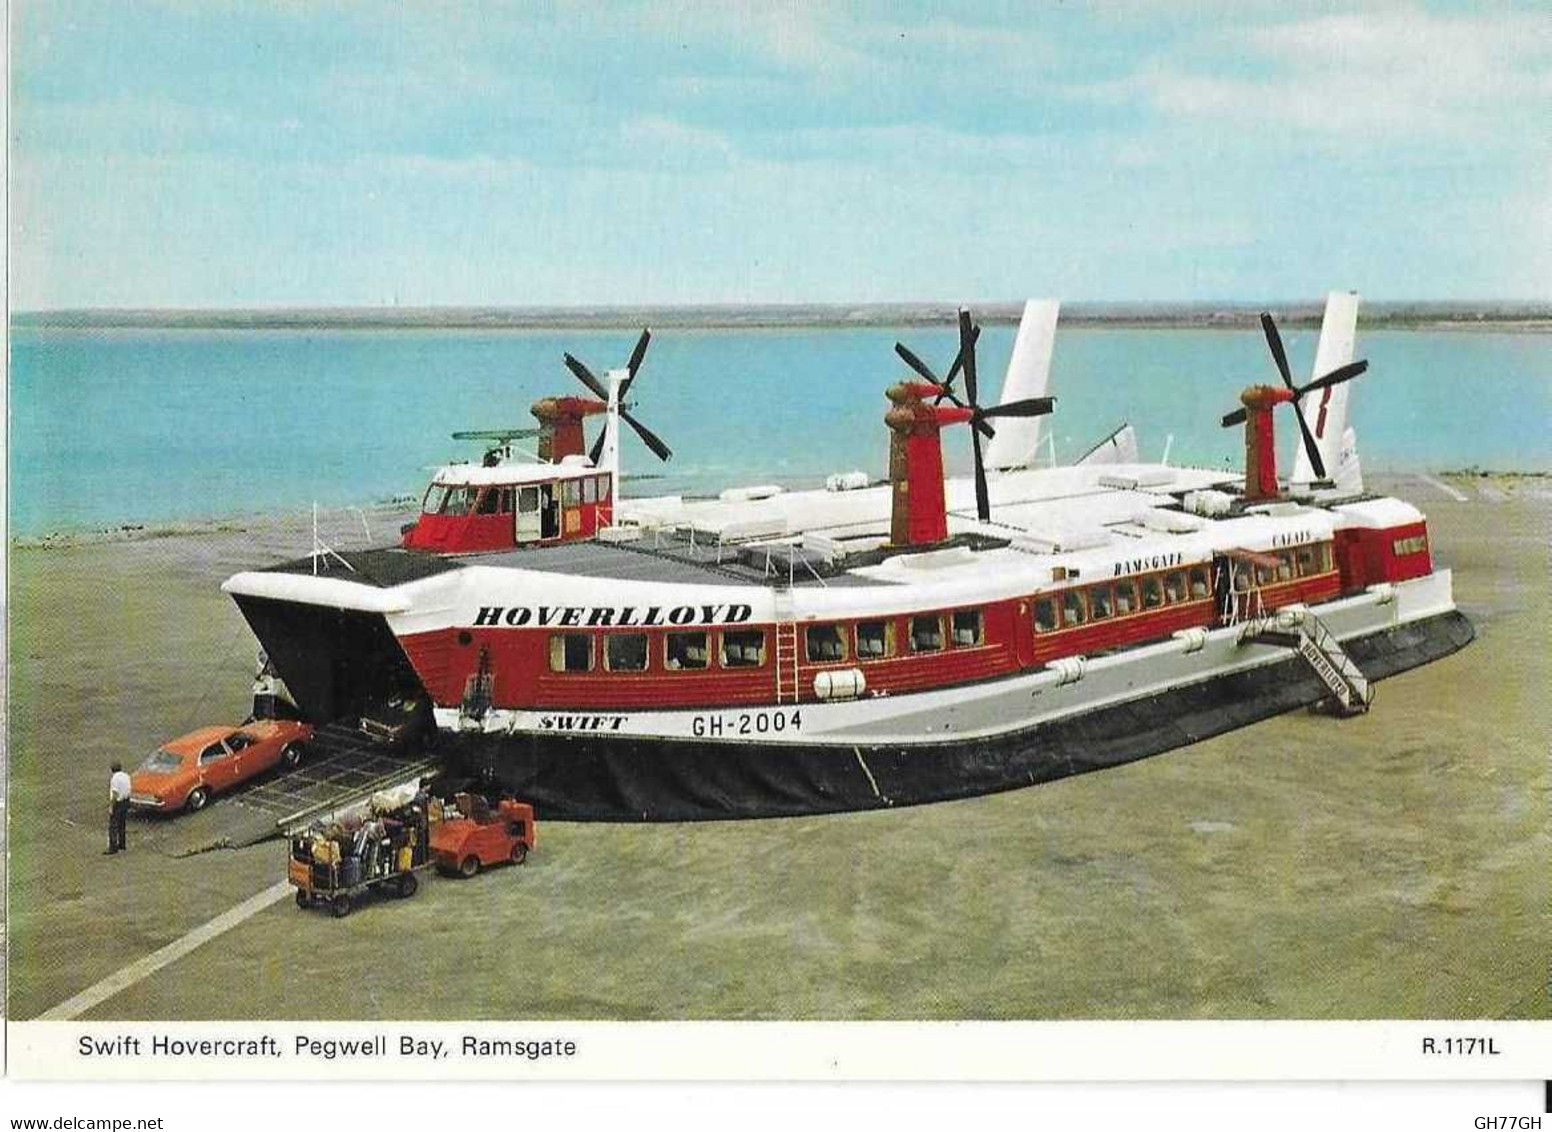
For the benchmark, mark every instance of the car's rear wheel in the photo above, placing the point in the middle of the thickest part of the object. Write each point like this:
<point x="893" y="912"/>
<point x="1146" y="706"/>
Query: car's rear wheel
<point x="519" y="853"/>
<point x="291" y="755"/>
<point x="468" y="866"/>
<point x="198" y="797"/>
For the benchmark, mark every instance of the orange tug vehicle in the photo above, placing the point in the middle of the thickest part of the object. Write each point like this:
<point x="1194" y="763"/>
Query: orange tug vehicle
<point x="479" y="836"/>
<point x="335" y="864"/>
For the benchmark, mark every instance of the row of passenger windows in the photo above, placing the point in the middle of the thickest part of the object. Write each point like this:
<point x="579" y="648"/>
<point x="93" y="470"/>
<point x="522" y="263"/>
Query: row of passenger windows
<point x="1283" y="566"/>
<point x="465" y="499"/>
<point x="1083" y="604"/>
<point x="746" y="648"/>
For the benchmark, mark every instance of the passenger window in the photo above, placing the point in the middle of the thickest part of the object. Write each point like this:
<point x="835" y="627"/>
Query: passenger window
<point x="968" y="627"/>
<point x="826" y="643"/>
<point x="744" y="648"/>
<point x="528" y="500"/>
<point x="603" y="489"/>
<point x="1073" y="608"/>
<point x="508" y="495"/>
<point x="1323" y="557"/>
<point x="211" y="753"/>
<point x="875" y="640"/>
<point x="571" y="652"/>
<point x="1241" y="578"/>
<point x="590" y="490"/>
<point x="570" y="493"/>
<point x="926" y="634"/>
<point x="625" y="652"/>
<point x="1304" y="558"/>
<point x="1045" y="614"/>
<point x="490" y="501"/>
<point x="1174" y="586"/>
<point x="685" y="650"/>
<point x="1285" y="566"/>
<point x="1152" y="592"/>
<point x="1199" y="587"/>
<point x="239" y="742"/>
<point x="1099" y="602"/>
<point x="1125" y="598"/>
<point x="1266" y="574"/>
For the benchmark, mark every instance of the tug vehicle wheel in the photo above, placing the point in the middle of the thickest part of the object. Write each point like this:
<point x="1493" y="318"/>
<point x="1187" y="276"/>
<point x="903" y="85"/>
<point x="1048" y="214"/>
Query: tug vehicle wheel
<point x="519" y="853"/>
<point x="469" y="866"/>
<point x="407" y="886"/>
<point x="197" y="799"/>
<point x="291" y="755"/>
<point x="340" y="906"/>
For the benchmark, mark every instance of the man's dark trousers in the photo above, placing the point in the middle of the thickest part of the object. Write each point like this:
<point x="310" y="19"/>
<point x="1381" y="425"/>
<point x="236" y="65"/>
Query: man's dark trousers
<point x="116" y="818"/>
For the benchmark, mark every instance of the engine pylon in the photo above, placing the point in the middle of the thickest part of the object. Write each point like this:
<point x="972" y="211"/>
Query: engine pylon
<point x="918" y="513"/>
<point x="560" y="425"/>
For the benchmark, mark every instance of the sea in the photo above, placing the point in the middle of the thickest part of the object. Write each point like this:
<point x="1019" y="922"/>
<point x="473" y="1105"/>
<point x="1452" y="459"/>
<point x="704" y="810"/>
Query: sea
<point x="145" y="427"/>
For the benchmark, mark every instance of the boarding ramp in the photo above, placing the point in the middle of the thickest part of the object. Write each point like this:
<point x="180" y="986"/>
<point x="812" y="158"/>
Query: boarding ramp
<point x="1298" y="629"/>
<point x="344" y="766"/>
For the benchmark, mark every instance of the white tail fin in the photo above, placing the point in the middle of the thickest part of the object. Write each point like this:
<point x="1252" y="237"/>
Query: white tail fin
<point x="1326" y="411"/>
<point x="1029" y="372"/>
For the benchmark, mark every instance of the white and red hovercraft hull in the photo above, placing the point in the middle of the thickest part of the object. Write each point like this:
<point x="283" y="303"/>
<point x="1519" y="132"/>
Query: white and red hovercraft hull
<point x="1015" y="702"/>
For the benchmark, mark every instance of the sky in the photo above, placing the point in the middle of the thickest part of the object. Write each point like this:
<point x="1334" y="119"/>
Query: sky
<point x="296" y="153"/>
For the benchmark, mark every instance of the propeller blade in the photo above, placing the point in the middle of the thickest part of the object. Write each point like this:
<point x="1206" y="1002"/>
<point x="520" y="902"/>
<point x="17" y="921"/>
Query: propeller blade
<point x="648" y="437"/>
<point x="967" y="336"/>
<point x="585" y="376"/>
<point x="983" y="501"/>
<point x="1311" y="449"/>
<point x="1029" y="407"/>
<point x="1236" y="417"/>
<point x="1335" y="377"/>
<point x="917" y="364"/>
<point x="635" y="361"/>
<point x="502" y="434"/>
<point x="1275" y="341"/>
<point x="598" y="447"/>
<point x="640" y="351"/>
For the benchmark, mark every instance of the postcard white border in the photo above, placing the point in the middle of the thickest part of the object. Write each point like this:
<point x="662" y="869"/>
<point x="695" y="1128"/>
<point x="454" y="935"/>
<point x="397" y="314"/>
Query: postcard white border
<point x="815" y="1051"/>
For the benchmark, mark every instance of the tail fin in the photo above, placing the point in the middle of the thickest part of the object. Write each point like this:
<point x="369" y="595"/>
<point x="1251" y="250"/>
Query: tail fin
<point x="1326" y="412"/>
<point x="1029" y="372"/>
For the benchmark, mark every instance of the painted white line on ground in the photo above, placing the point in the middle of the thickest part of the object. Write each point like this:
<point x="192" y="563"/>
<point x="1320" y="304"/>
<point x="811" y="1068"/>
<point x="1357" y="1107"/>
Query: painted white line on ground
<point x="1457" y="496"/>
<point x="127" y="977"/>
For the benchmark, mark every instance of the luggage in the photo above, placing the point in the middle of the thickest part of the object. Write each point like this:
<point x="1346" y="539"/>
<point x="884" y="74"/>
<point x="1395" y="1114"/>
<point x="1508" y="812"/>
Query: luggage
<point x="406" y="856"/>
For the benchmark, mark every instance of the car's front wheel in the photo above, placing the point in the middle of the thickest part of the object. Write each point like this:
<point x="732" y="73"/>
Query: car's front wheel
<point x="291" y="755"/>
<point x="197" y="799"/>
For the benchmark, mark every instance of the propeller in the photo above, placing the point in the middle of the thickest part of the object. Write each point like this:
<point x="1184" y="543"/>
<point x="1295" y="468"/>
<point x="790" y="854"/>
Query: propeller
<point x="969" y="334"/>
<point x="1347" y="372"/>
<point x="596" y="387"/>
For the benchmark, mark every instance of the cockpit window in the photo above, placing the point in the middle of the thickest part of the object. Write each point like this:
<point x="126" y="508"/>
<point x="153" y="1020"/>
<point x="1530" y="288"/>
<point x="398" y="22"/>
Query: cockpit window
<point x="460" y="500"/>
<point x="436" y="495"/>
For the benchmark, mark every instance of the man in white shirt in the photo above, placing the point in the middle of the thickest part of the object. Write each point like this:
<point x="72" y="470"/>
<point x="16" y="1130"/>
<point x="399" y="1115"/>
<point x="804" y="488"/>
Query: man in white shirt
<point x="118" y="808"/>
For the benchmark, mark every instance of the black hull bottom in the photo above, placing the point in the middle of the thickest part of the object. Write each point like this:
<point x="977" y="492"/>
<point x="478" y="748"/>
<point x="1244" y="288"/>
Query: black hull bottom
<point x="586" y="779"/>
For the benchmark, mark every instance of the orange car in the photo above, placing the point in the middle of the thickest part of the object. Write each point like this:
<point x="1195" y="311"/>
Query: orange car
<point x="184" y="773"/>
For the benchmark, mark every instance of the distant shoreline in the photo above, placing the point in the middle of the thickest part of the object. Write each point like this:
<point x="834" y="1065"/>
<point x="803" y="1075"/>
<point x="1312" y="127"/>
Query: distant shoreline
<point x="1524" y="317"/>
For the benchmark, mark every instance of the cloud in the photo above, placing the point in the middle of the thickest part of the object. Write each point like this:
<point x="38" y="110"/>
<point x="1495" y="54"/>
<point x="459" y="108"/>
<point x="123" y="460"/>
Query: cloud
<point x="1402" y="74"/>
